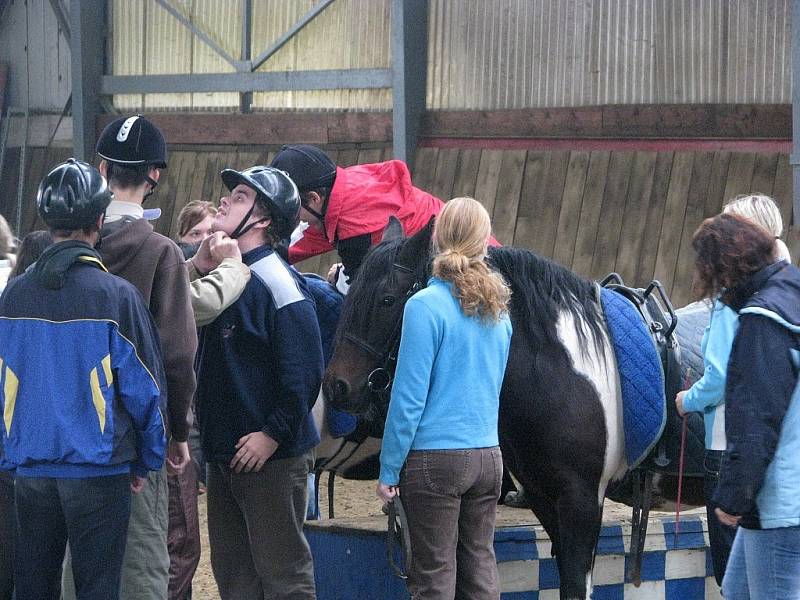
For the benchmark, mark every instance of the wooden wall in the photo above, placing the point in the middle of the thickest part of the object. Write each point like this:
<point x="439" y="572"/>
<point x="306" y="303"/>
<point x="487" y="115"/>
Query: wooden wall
<point x="595" y="211"/>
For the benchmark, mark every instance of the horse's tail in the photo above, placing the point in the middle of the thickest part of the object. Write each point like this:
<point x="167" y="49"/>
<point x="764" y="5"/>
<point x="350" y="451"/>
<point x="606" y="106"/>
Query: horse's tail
<point x="541" y="290"/>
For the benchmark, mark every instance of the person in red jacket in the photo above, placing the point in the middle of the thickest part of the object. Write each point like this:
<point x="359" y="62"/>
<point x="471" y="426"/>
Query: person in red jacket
<point x="347" y="208"/>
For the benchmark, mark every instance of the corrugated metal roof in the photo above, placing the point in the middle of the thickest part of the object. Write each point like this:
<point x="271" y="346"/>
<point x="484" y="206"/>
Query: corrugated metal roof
<point x="482" y="55"/>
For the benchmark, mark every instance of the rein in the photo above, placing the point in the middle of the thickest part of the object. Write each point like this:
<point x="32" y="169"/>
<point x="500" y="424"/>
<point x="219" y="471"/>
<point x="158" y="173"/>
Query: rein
<point x="397" y="532"/>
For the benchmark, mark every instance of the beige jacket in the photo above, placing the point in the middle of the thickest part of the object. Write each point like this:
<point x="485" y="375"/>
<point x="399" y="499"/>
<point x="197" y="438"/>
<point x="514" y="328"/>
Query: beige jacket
<point x="213" y="293"/>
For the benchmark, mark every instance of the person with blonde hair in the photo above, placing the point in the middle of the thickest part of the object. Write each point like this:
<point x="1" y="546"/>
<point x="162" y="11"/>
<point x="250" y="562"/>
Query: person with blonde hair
<point x="763" y="211"/>
<point x="440" y="446"/>
<point x="707" y="395"/>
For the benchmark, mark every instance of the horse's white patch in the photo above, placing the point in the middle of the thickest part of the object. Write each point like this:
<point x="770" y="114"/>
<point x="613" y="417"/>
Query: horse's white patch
<point x="602" y="373"/>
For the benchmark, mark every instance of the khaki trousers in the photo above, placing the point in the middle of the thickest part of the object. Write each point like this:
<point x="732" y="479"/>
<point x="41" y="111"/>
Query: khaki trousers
<point x="255" y="529"/>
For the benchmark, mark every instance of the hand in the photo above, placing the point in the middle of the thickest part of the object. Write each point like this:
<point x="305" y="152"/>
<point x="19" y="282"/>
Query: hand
<point x="177" y="457"/>
<point x="223" y="247"/>
<point x="386" y="492"/>
<point x="729" y="520"/>
<point x="333" y="273"/>
<point x="679" y="403"/>
<point x="202" y="259"/>
<point x="252" y="451"/>
<point x="137" y="483"/>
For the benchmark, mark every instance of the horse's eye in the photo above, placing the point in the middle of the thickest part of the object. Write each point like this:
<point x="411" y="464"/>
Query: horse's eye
<point x="388" y="300"/>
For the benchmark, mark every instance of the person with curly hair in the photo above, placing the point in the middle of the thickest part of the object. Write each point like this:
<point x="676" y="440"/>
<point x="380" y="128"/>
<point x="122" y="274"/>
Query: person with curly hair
<point x="759" y="485"/>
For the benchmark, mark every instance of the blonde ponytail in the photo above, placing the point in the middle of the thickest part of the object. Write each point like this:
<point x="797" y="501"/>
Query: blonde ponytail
<point x="462" y="230"/>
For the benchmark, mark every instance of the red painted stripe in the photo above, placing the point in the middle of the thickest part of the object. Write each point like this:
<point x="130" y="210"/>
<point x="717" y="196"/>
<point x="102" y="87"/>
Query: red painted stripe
<point x="663" y="145"/>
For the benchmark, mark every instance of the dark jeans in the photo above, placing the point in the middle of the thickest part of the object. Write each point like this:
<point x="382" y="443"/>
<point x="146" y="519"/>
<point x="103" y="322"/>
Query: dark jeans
<point x="255" y="529"/>
<point x="720" y="536"/>
<point x="6" y="536"/>
<point x="450" y="497"/>
<point x="92" y="513"/>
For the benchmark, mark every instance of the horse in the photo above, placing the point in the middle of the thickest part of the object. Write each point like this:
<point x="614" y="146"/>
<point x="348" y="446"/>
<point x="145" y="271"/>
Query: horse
<point x="560" y="421"/>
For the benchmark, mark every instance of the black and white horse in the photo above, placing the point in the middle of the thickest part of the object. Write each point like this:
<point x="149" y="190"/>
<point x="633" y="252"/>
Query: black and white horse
<point x="560" y="416"/>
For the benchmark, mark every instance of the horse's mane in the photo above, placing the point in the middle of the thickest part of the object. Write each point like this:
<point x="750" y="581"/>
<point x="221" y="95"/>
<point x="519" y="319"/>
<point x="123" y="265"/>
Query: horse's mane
<point x="541" y="290"/>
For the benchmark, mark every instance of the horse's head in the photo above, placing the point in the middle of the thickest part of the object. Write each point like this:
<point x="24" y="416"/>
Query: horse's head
<point x="361" y="369"/>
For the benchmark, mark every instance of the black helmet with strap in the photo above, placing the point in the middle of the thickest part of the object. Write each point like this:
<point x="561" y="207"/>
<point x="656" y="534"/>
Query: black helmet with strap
<point x="72" y="196"/>
<point x="274" y="190"/>
<point x="310" y="168"/>
<point x="133" y="141"/>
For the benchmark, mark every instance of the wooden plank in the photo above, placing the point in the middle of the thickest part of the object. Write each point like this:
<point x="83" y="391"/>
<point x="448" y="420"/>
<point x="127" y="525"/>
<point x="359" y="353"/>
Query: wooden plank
<point x="649" y="121"/>
<point x="540" y="202"/>
<point x="8" y="183"/>
<point x="740" y="175"/>
<point x="488" y="178"/>
<point x="718" y="179"/>
<point x="590" y="212"/>
<point x="348" y="157"/>
<point x="506" y="204"/>
<point x="764" y="173"/>
<point x="611" y="214"/>
<point x="674" y="215"/>
<point x="425" y="167"/>
<point x="446" y="165"/>
<point x="168" y="190"/>
<point x="536" y="165"/>
<point x="695" y="204"/>
<point x="634" y="219"/>
<point x="466" y="175"/>
<point x="782" y="190"/>
<point x="37" y="167"/>
<point x="655" y="214"/>
<point x="571" y="201"/>
<point x="369" y="155"/>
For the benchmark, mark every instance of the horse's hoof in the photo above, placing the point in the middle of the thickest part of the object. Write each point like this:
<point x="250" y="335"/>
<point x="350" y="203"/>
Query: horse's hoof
<point x="517" y="500"/>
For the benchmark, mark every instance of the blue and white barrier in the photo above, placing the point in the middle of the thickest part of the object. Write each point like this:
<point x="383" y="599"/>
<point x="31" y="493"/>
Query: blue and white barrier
<point x="350" y="562"/>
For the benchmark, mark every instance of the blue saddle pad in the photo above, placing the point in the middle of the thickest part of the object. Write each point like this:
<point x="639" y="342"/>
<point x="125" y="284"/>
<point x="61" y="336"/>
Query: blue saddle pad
<point x="641" y="376"/>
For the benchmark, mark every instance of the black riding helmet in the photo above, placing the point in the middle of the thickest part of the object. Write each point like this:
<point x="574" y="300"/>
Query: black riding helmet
<point x="72" y="196"/>
<point x="274" y="190"/>
<point x="310" y="168"/>
<point x="133" y="141"/>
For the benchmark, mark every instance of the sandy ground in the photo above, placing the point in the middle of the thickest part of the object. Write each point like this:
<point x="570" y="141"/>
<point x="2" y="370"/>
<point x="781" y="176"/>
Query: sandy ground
<point x="354" y="499"/>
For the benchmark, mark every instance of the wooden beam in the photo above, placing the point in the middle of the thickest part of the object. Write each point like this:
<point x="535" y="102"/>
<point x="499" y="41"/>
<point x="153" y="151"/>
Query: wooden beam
<point x="699" y="122"/>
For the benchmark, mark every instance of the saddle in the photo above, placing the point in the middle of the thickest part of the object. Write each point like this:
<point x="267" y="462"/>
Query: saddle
<point x="660" y="320"/>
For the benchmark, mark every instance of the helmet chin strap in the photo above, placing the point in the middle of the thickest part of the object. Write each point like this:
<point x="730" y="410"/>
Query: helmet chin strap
<point x="243" y="227"/>
<point x="153" y="183"/>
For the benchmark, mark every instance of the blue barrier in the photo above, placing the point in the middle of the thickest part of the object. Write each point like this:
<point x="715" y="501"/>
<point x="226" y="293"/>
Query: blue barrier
<point x="350" y="562"/>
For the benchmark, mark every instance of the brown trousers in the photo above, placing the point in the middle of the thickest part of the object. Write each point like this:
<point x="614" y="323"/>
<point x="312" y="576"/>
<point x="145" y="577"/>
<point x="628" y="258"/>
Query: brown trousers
<point x="450" y="497"/>
<point x="183" y="535"/>
<point x="255" y="529"/>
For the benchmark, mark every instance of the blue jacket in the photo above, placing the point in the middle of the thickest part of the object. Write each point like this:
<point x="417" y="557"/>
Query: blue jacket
<point x="82" y="374"/>
<point x="707" y="395"/>
<point x="446" y="390"/>
<point x="260" y="363"/>
<point x="760" y="474"/>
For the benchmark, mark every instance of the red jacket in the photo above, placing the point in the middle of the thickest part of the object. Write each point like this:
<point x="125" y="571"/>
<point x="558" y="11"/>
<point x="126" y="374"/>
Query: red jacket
<point x="361" y="201"/>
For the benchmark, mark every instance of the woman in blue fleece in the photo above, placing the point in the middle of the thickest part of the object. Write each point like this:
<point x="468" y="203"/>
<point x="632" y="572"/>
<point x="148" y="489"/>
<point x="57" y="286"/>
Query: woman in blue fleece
<point x="707" y="394"/>
<point x="440" y="446"/>
<point x="759" y="486"/>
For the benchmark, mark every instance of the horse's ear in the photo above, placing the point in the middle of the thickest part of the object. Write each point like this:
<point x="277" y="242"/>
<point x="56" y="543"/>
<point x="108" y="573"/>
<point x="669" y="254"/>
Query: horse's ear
<point x="393" y="230"/>
<point x="417" y="247"/>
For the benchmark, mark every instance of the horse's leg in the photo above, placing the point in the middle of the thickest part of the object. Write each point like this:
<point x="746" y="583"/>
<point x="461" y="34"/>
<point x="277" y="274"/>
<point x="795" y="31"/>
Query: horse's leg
<point x="579" y="520"/>
<point x="544" y="509"/>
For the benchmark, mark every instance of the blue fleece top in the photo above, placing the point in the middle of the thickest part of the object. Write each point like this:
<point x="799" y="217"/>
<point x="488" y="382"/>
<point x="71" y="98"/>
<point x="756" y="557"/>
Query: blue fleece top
<point x="707" y="395"/>
<point x="260" y="364"/>
<point x="446" y="391"/>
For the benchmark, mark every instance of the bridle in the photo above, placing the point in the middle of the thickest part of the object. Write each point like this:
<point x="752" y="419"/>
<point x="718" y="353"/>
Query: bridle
<point x="380" y="379"/>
